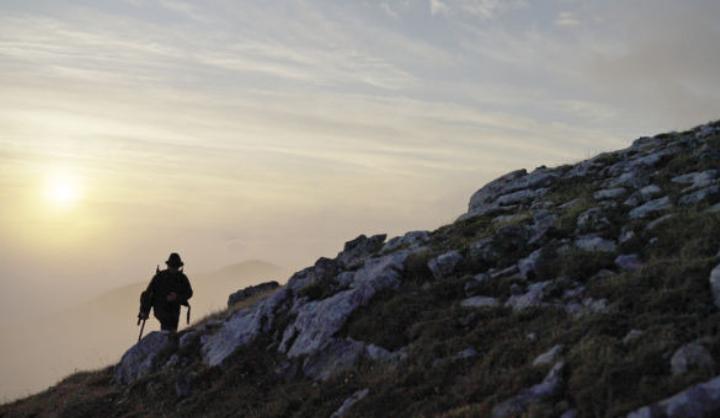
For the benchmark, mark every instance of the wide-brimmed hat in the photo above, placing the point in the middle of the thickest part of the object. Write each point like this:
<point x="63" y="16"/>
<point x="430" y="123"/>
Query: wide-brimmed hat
<point x="174" y="261"/>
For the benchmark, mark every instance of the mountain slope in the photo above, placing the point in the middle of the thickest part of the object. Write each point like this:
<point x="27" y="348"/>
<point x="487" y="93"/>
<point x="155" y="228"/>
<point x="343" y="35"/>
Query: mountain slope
<point x="589" y="290"/>
<point x="97" y="332"/>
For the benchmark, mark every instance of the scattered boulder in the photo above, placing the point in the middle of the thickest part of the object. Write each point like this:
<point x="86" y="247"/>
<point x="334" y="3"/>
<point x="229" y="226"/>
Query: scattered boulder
<point x="548" y="357"/>
<point x="632" y="336"/>
<point x="349" y="402"/>
<point x="613" y="193"/>
<point x="338" y="355"/>
<point x="241" y="329"/>
<point x="657" y="222"/>
<point x="143" y="358"/>
<point x="650" y="208"/>
<point x="480" y="302"/>
<point x="709" y="194"/>
<point x="529" y="264"/>
<point x="251" y="291"/>
<point x="591" y="220"/>
<point x="533" y="297"/>
<point x="594" y="243"/>
<point x="518" y="405"/>
<point x="698" y="179"/>
<point x="318" y="321"/>
<point x="715" y="285"/>
<point x="699" y="401"/>
<point x="359" y="249"/>
<point x="691" y="356"/>
<point x="445" y="264"/>
<point x="628" y="262"/>
<point x="410" y="240"/>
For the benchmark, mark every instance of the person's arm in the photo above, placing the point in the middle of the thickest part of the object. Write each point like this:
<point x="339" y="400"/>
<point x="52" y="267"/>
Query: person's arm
<point x="186" y="292"/>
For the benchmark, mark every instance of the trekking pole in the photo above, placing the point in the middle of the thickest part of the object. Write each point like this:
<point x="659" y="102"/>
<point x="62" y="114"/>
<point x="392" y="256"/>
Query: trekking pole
<point x="142" y="328"/>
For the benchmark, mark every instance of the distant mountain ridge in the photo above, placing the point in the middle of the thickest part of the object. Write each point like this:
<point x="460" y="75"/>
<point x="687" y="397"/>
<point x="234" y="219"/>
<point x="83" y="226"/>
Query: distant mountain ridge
<point x="584" y="290"/>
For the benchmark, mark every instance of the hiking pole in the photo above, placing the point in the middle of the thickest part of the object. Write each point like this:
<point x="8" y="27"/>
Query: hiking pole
<point x="142" y="328"/>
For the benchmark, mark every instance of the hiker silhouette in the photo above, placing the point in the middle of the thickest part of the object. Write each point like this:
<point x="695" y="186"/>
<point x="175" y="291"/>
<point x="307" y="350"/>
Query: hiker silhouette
<point x="168" y="290"/>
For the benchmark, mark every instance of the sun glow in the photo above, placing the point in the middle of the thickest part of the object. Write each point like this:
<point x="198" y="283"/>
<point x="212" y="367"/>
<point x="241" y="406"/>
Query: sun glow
<point x="62" y="190"/>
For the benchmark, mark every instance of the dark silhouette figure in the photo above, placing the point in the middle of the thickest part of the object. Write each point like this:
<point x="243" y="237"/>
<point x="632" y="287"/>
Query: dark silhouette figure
<point x="167" y="291"/>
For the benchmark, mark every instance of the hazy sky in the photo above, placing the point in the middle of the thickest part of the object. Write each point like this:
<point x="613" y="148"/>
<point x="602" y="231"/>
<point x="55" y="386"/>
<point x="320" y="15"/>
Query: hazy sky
<point x="230" y="130"/>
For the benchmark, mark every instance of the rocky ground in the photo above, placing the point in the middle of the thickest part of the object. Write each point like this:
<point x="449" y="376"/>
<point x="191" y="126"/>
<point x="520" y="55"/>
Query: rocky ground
<point x="586" y="290"/>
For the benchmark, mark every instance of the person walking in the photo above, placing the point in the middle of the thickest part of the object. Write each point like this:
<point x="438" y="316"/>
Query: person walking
<point x="168" y="290"/>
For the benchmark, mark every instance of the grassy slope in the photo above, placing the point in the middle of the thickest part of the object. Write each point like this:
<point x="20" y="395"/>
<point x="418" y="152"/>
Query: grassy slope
<point x="669" y="299"/>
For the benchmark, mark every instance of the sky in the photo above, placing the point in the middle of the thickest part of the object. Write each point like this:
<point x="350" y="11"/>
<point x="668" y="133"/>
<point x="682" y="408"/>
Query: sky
<point x="278" y="130"/>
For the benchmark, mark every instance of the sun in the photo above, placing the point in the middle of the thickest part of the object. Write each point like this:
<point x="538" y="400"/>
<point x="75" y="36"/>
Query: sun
<point x="62" y="190"/>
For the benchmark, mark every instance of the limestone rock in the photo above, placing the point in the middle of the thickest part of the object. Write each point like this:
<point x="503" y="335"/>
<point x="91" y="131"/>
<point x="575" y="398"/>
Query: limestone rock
<point x="529" y="264"/>
<point x="480" y="302"/>
<point x="548" y="357"/>
<point x="613" y="193"/>
<point x="594" y="243"/>
<point x="349" y="402"/>
<point x="651" y="207"/>
<point x="709" y="194"/>
<point x="142" y="358"/>
<point x="318" y="321"/>
<point x="337" y="356"/>
<point x="412" y="239"/>
<point x="632" y="336"/>
<point x="698" y="401"/>
<point x="517" y="405"/>
<point x="242" y="328"/>
<point x="359" y="249"/>
<point x="591" y="220"/>
<point x="445" y="264"/>
<point x="628" y="262"/>
<point x="533" y="297"/>
<point x="715" y="285"/>
<point x="691" y="356"/>
<point x="251" y="291"/>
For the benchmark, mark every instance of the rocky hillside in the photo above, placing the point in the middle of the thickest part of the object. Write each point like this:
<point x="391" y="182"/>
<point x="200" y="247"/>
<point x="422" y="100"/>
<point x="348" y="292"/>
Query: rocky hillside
<point x="587" y="290"/>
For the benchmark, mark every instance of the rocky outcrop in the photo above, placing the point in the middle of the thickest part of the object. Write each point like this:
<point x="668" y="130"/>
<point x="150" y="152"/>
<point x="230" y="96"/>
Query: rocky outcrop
<point x="318" y="321"/>
<point x="250" y="291"/>
<point x="143" y="358"/>
<point x="691" y="356"/>
<point x="699" y="401"/>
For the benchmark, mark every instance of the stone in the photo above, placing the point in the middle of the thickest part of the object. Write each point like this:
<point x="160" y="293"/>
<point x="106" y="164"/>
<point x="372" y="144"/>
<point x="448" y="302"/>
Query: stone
<point x="543" y="222"/>
<point x="480" y="302"/>
<point x="445" y="264"/>
<point x="519" y="197"/>
<point x="632" y="336"/>
<point x="532" y="298"/>
<point x="698" y="401"/>
<point x="570" y="413"/>
<point x="337" y="356"/>
<point x="410" y="240"/>
<point x="349" y="402"/>
<point x="626" y="236"/>
<point x="715" y="285"/>
<point x="251" y="291"/>
<point x="483" y="251"/>
<point x="650" y="191"/>
<point x="242" y="328"/>
<point x="318" y="321"/>
<point x="691" y="356"/>
<point x="356" y="251"/>
<point x="592" y="220"/>
<point x="142" y="358"/>
<point x="377" y="353"/>
<point x="613" y="193"/>
<point x="709" y="194"/>
<point x="529" y="264"/>
<point x="651" y="207"/>
<point x="548" y="357"/>
<point x="490" y="191"/>
<point x="466" y="354"/>
<point x="697" y="180"/>
<point x="628" y="262"/>
<point x="594" y="243"/>
<point x="519" y="404"/>
<point x="657" y="222"/>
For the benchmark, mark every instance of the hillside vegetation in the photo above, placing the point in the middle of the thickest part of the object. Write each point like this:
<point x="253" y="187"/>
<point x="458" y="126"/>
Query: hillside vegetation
<point x="586" y="290"/>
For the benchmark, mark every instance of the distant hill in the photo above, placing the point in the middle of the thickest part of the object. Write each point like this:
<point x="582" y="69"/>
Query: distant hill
<point x="95" y="333"/>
